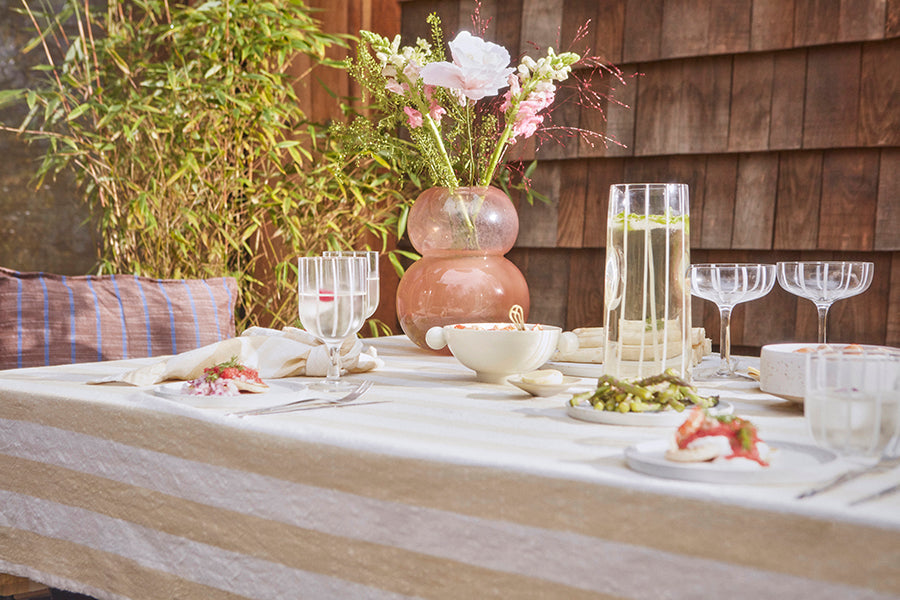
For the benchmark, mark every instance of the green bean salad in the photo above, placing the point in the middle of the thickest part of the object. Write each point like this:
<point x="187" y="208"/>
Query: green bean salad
<point x="666" y="391"/>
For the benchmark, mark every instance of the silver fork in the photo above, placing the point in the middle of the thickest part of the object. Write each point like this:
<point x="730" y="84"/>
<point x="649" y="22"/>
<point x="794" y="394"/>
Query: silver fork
<point x="305" y="403"/>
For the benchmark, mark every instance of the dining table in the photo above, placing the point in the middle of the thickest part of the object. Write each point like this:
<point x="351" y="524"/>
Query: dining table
<point x="431" y="485"/>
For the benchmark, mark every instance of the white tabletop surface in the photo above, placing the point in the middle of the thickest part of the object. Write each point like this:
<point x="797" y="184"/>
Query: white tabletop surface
<point x="426" y="419"/>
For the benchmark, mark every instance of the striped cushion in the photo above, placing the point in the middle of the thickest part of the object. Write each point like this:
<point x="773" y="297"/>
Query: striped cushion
<point x="53" y="319"/>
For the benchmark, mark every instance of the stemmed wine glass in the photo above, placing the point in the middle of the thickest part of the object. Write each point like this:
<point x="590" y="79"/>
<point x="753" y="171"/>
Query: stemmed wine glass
<point x="332" y="305"/>
<point x="373" y="280"/>
<point x="727" y="285"/>
<point x="825" y="282"/>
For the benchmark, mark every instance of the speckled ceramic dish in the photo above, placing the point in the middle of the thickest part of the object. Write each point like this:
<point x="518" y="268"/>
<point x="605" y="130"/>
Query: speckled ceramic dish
<point x="782" y="368"/>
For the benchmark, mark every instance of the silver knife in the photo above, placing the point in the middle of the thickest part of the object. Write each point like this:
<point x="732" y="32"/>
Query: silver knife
<point x="885" y="492"/>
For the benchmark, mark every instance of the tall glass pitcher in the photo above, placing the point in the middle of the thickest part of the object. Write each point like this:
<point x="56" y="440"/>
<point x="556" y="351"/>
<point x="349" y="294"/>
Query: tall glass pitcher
<point x="648" y="296"/>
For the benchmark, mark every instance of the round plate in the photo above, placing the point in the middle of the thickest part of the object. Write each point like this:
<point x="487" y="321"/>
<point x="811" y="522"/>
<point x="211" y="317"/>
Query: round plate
<point x="663" y="418"/>
<point x="788" y="463"/>
<point x="576" y="369"/>
<point x="278" y="391"/>
<point x="543" y="389"/>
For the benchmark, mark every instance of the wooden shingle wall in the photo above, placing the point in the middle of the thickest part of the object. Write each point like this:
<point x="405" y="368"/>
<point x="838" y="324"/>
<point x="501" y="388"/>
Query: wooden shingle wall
<point x="783" y="116"/>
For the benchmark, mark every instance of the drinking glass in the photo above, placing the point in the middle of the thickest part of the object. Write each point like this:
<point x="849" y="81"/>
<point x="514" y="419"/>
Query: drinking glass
<point x="727" y="285"/>
<point x="332" y="305"/>
<point x="647" y="302"/>
<point x="825" y="282"/>
<point x="852" y="401"/>
<point x="373" y="280"/>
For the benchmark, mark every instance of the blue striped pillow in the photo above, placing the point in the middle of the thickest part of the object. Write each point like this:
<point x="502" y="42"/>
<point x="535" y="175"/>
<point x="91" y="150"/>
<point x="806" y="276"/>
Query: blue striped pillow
<point x="48" y="319"/>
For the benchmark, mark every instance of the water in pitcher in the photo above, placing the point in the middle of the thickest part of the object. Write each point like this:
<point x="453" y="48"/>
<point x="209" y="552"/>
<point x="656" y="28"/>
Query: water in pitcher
<point x="648" y="323"/>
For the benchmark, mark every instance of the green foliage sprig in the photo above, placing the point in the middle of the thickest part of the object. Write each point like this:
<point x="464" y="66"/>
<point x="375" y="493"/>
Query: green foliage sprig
<point x="184" y="130"/>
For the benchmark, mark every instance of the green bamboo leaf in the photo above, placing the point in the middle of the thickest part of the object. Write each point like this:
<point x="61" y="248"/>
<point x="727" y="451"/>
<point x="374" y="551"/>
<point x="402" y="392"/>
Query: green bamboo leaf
<point x="176" y="176"/>
<point x="401" y="221"/>
<point x="78" y="111"/>
<point x="8" y="97"/>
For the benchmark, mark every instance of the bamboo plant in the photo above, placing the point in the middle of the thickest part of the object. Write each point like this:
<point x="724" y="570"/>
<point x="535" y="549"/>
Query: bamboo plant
<point x="185" y="134"/>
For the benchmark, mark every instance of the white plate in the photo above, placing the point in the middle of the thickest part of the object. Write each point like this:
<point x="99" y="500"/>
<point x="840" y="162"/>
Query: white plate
<point x="576" y="369"/>
<point x="788" y="463"/>
<point x="278" y="391"/>
<point x="543" y="389"/>
<point x="664" y="418"/>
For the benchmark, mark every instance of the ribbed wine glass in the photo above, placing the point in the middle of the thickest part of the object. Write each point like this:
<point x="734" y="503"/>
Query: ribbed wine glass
<point x="727" y="285"/>
<point x="373" y="279"/>
<point x="332" y="305"/>
<point x="825" y="282"/>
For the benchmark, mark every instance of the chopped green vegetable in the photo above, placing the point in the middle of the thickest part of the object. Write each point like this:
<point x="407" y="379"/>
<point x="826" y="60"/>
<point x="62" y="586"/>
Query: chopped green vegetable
<point x="666" y="391"/>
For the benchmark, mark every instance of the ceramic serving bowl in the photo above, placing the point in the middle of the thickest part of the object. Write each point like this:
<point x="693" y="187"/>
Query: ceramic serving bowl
<point x="782" y="368"/>
<point x="493" y="351"/>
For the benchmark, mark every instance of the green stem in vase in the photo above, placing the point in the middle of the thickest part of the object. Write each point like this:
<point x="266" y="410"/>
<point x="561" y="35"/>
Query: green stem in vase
<point x="471" y="233"/>
<point x="444" y="173"/>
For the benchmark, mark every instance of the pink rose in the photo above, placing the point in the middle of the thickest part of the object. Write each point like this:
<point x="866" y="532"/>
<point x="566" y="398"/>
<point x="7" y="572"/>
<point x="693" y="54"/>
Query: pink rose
<point x="479" y="68"/>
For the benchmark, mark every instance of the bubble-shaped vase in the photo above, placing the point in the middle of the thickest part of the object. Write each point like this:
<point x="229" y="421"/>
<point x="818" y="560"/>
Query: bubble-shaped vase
<point x="462" y="276"/>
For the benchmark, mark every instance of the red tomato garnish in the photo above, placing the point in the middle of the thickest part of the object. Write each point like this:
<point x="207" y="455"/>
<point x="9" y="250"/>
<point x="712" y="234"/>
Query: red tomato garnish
<point x="741" y="433"/>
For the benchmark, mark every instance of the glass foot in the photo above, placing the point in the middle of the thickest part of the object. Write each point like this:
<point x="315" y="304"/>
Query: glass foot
<point x="721" y="373"/>
<point x="337" y="386"/>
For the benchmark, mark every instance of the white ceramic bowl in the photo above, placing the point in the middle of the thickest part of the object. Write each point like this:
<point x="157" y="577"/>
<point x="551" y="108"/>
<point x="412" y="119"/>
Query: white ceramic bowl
<point x="495" y="354"/>
<point x="782" y="368"/>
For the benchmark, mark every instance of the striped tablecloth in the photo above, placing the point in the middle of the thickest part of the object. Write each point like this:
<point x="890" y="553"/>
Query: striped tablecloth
<point x="449" y="489"/>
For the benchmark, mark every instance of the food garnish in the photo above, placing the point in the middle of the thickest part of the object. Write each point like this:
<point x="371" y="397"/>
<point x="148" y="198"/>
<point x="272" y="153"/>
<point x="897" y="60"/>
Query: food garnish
<point x="666" y="391"/>
<point x="498" y="327"/>
<point x="228" y="378"/>
<point x="849" y="348"/>
<point x="702" y="438"/>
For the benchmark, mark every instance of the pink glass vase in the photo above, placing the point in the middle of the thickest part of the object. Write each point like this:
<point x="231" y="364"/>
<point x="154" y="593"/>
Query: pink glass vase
<point x="462" y="276"/>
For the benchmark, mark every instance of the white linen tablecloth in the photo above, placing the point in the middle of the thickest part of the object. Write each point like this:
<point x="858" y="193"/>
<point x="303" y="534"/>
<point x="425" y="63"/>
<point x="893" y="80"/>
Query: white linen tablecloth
<point x="446" y="488"/>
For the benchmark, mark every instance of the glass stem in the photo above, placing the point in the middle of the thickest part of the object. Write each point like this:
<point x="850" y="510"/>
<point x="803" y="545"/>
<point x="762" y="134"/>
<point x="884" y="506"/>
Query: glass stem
<point x="822" y="309"/>
<point x="334" y="369"/>
<point x="725" y="340"/>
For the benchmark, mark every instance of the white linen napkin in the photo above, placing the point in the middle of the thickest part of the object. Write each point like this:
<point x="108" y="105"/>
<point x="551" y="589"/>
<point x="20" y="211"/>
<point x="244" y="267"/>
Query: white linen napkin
<point x="289" y="352"/>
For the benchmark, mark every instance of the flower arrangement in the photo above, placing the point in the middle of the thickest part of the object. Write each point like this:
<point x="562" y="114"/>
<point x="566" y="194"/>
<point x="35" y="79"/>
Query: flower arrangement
<point x="461" y="115"/>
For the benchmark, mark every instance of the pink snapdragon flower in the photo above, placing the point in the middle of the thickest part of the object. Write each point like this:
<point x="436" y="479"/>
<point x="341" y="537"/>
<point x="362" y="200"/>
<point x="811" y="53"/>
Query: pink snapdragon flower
<point x="528" y="117"/>
<point x="479" y="68"/>
<point x="395" y="86"/>
<point x="436" y="111"/>
<point x="414" y="117"/>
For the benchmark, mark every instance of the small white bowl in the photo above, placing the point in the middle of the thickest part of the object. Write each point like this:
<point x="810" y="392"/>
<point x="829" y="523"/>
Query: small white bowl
<point x="495" y="354"/>
<point x="782" y="368"/>
<point x="543" y="389"/>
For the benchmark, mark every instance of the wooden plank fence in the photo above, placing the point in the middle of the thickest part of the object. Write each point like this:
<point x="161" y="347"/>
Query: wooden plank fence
<point x="783" y="117"/>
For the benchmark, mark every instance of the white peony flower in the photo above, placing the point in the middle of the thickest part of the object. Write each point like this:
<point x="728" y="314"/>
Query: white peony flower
<point x="479" y="68"/>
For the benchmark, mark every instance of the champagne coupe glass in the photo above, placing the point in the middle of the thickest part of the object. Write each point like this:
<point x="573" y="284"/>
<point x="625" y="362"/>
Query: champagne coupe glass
<point x="825" y="282"/>
<point x="332" y="305"/>
<point x="727" y="285"/>
<point x="372" y="297"/>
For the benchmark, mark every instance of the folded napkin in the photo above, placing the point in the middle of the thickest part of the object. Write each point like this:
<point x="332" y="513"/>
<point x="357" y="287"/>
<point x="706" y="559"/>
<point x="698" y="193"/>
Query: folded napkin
<point x="286" y="353"/>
